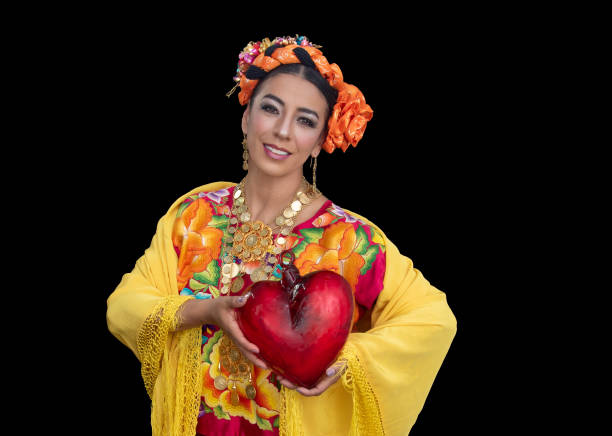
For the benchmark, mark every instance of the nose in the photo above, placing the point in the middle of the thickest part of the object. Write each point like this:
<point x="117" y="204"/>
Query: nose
<point x="283" y="126"/>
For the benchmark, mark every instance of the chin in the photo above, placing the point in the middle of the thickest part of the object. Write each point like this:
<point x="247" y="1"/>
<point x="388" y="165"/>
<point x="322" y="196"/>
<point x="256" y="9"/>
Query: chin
<point x="274" y="170"/>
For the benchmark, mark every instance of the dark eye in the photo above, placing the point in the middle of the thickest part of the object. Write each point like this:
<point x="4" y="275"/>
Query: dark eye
<point x="307" y="122"/>
<point x="268" y="108"/>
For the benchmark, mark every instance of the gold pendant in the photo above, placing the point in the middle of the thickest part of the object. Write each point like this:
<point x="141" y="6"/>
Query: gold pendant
<point x="296" y="206"/>
<point x="243" y="369"/>
<point x="252" y="241"/>
<point x="226" y="363"/>
<point x="258" y="275"/>
<point x="230" y="270"/>
<point x="234" y="270"/>
<point x="234" y="395"/>
<point x="220" y="383"/>
<point x="251" y="392"/>
<point x="224" y="347"/>
<point x="304" y="198"/>
<point x="235" y="355"/>
<point x="237" y="284"/>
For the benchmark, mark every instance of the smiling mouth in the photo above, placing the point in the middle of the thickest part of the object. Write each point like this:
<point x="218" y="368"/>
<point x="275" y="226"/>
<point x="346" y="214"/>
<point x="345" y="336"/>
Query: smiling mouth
<point x="276" y="150"/>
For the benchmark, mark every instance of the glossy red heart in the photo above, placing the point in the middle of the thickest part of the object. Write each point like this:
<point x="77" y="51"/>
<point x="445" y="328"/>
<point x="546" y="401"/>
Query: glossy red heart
<point x="300" y="324"/>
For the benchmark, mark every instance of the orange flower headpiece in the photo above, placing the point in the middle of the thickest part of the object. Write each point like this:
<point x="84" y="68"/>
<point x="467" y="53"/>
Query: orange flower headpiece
<point x="348" y="120"/>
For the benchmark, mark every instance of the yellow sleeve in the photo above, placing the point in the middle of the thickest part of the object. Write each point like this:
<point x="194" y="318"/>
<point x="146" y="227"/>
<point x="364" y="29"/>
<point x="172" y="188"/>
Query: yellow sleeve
<point x="141" y="313"/>
<point x="391" y="367"/>
<point x="144" y="290"/>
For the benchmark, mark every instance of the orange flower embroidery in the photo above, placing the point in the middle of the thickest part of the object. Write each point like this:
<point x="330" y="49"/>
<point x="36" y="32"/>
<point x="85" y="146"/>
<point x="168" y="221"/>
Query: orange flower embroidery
<point x="198" y="243"/>
<point x="291" y="241"/>
<point x="323" y="220"/>
<point x="335" y="252"/>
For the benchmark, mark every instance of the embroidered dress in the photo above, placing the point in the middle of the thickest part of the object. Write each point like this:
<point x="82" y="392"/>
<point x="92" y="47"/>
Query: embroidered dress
<point x="390" y="367"/>
<point x="331" y="239"/>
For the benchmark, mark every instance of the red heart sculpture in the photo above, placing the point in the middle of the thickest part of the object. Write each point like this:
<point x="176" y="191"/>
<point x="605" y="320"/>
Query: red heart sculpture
<point x="300" y="324"/>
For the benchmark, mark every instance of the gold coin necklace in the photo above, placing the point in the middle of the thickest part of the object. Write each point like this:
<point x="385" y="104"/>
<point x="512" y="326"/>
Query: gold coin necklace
<point x="252" y="241"/>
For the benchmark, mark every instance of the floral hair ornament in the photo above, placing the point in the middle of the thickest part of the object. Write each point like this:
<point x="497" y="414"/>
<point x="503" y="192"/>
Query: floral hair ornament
<point x="350" y="115"/>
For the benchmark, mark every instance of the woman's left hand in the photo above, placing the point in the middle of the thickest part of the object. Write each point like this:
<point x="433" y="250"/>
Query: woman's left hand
<point x="332" y="375"/>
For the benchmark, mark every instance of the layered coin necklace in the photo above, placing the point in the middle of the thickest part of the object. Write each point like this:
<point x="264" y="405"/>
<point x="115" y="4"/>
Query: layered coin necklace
<point x="252" y="241"/>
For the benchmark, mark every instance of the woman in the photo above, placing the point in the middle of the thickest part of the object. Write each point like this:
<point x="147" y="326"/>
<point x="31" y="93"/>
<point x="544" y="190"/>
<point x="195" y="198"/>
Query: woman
<point x="175" y="310"/>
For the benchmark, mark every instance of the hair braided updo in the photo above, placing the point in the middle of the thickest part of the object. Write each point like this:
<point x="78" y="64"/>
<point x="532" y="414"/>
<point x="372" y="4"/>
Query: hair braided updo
<point x="348" y="111"/>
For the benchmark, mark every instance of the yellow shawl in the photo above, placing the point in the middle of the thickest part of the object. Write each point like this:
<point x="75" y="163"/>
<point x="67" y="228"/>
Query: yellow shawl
<point x="391" y="367"/>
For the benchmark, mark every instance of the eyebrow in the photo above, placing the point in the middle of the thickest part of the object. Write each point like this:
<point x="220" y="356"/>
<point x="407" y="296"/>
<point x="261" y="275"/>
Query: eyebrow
<point x="282" y="103"/>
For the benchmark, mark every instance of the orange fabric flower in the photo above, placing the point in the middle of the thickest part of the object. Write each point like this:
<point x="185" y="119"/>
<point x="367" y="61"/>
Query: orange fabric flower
<point x="198" y="243"/>
<point x="348" y="120"/>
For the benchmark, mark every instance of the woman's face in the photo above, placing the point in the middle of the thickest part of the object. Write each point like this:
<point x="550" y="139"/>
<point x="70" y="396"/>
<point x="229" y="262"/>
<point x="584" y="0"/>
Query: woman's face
<point x="290" y="113"/>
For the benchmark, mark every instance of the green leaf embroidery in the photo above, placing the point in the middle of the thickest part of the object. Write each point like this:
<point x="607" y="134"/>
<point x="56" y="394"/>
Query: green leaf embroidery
<point x="299" y="249"/>
<point x="263" y="424"/>
<point x="219" y="413"/>
<point x="194" y="285"/>
<point x="276" y="422"/>
<point x="210" y="275"/>
<point x="219" y="222"/>
<point x="377" y="238"/>
<point x="206" y="408"/>
<point x="214" y="291"/>
<point x="182" y="207"/>
<point x="296" y="241"/>
<point x="362" y="242"/>
<point x="312" y="235"/>
<point x="369" y="257"/>
<point x="209" y="346"/>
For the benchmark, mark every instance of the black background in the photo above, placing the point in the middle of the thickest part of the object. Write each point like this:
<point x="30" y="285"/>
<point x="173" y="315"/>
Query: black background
<point x="139" y="105"/>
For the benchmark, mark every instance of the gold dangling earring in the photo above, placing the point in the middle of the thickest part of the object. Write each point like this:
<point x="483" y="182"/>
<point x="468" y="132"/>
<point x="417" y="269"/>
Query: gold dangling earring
<point x="245" y="154"/>
<point x="314" y="174"/>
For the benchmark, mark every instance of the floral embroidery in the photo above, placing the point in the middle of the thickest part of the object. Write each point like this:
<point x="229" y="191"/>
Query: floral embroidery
<point x="199" y="295"/>
<point x="199" y="243"/>
<point x="217" y="196"/>
<point x="323" y="220"/>
<point x="333" y="240"/>
<point x="335" y="251"/>
<point x="337" y="210"/>
<point x="258" y="411"/>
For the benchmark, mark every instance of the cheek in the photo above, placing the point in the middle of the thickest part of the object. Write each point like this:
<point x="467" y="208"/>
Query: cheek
<point x="307" y="138"/>
<point x="261" y="124"/>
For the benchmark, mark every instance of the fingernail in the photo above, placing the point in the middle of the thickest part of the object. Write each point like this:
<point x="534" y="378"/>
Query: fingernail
<point x="241" y="299"/>
<point x="330" y="371"/>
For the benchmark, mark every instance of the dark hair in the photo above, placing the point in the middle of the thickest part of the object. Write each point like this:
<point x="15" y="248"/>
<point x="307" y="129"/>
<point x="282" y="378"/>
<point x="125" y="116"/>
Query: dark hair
<point x="308" y="73"/>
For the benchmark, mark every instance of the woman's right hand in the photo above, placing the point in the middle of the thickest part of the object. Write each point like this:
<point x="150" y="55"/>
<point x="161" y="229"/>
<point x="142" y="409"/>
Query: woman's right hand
<point x="220" y="312"/>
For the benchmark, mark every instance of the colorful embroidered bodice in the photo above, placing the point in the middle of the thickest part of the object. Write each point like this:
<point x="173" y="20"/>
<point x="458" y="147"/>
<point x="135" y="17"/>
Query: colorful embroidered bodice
<point x="330" y="240"/>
